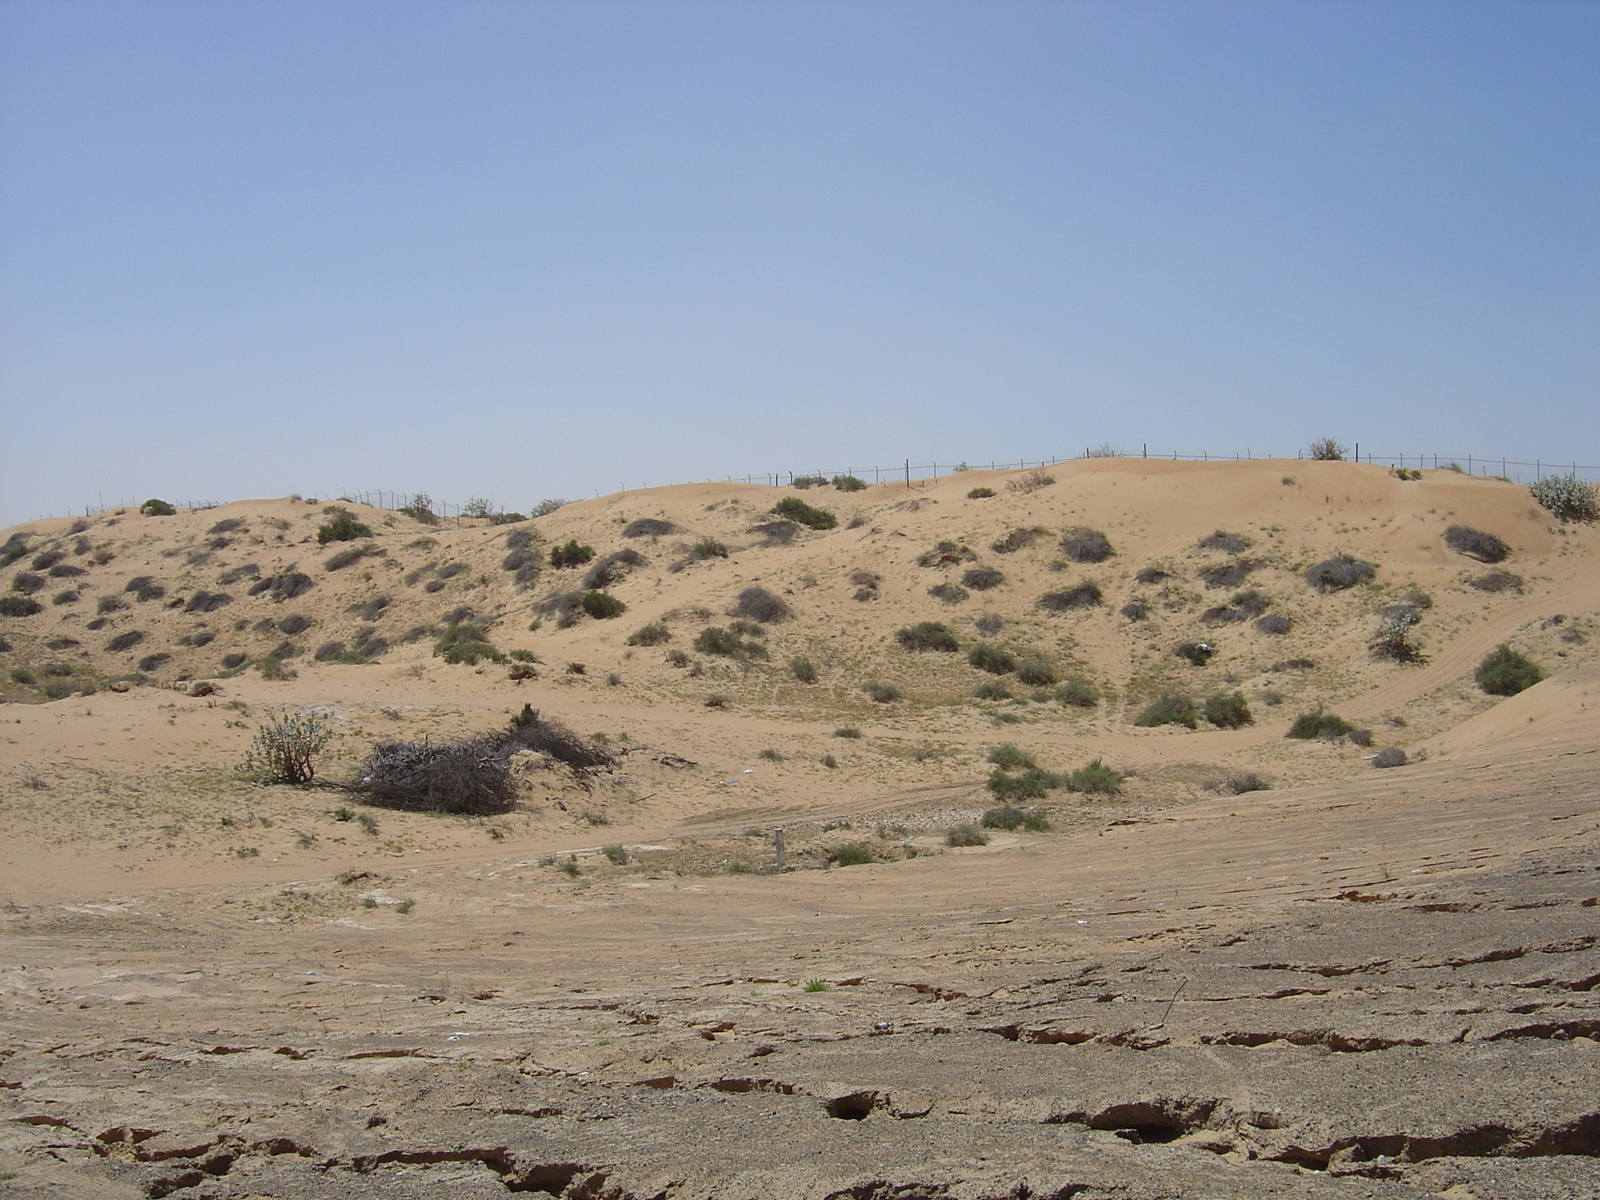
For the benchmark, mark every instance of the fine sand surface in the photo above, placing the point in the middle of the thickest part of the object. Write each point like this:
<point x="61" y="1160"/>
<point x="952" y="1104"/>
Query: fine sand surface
<point x="1352" y="982"/>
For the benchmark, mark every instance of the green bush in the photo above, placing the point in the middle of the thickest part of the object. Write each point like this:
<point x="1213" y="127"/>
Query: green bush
<point x="1095" y="779"/>
<point x="570" y="555"/>
<point x="285" y="747"/>
<point x="992" y="690"/>
<point x="19" y="606"/>
<point x="1171" y="709"/>
<point x="727" y="643"/>
<point x="797" y="510"/>
<point x="1567" y="497"/>
<point x="1318" y="725"/>
<point x="1326" y="449"/>
<point x="649" y="635"/>
<point x="1081" y="544"/>
<point x="849" y="483"/>
<point x="707" y="547"/>
<point x="1474" y="543"/>
<point x="1082" y="595"/>
<point x="1074" y="693"/>
<point x="602" y="606"/>
<point x="23" y="675"/>
<point x="965" y="835"/>
<point x="1228" y="710"/>
<point x="928" y="635"/>
<point x="341" y="527"/>
<point x="157" y="508"/>
<point x="1031" y="784"/>
<point x="464" y="642"/>
<point x="1035" y="672"/>
<point x="847" y="731"/>
<point x="980" y="493"/>
<point x="1008" y="757"/>
<point x="419" y="507"/>
<point x="882" y="693"/>
<point x="992" y="659"/>
<point x="1195" y="653"/>
<point x="855" y="854"/>
<point x="1504" y="672"/>
<point x="803" y="669"/>
<point x="1008" y="817"/>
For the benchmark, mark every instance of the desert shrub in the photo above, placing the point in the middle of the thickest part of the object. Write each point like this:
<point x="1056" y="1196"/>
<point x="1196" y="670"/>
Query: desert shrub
<point x="1273" y="623"/>
<point x="1031" y="784"/>
<point x="1567" y="497"/>
<point x="1035" y="672"/>
<point x="945" y="554"/>
<point x="803" y="669"/>
<point x="602" y="606"/>
<point x="716" y="700"/>
<point x="747" y="628"/>
<point x="1083" y="545"/>
<point x="1360" y="737"/>
<point x="992" y="659"/>
<point x="546" y="735"/>
<point x="205" y="602"/>
<point x="294" y="624"/>
<point x="882" y="693"/>
<point x="727" y="643"/>
<point x="1251" y="602"/>
<point x="151" y="662"/>
<point x="648" y="527"/>
<point x="775" y="533"/>
<point x="1009" y="757"/>
<point x="1228" y="574"/>
<point x="991" y="689"/>
<point x="145" y="589"/>
<point x="1227" y="710"/>
<point x="1007" y="817"/>
<point x="1075" y="693"/>
<point x="19" y="606"/>
<point x="1095" y="779"/>
<point x="1318" y="724"/>
<point x="1474" y="543"/>
<point x="157" y="508"/>
<point x="370" y="646"/>
<point x="965" y="835"/>
<point x="47" y="559"/>
<point x="1497" y="581"/>
<point x="849" y="483"/>
<point x="950" y="593"/>
<point x="232" y="662"/>
<point x="1222" y="614"/>
<point x="1196" y="654"/>
<point x="1504" y="672"/>
<point x="1244" y="781"/>
<point x="66" y="571"/>
<point x="1292" y="664"/>
<point x="1171" y="709"/>
<point x="272" y="666"/>
<point x="1326" y="449"/>
<point x="23" y="676"/>
<point x="1389" y="756"/>
<point x="465" y="642"/>
<point x="341" y="526"/>
<point x="545" y="507"/>
<point x="1393" y="639"/>
<point x="797" y="510"/>
<point x="369" y="610"/>
<point x="855" y="854"/>
<point x="67" y="597"/>
<point x="1017" y="539"/>
<point x="1135" y="610"/>
<point x="524" y="562"/>
<point x="337" y="652"/>
<point x="758" y="604"/>
<point x="1338" y="573"/>
<point x="16" y="546"/>
<point x="419" y="507"/>
<point x="1030" y="481"/>
<point x="470" y="775"/>
<point x="989" y="623"/>
<point x="351" y="554"/>
<point x="981" y="579"/>
<point x="27" y="583"/>
<point x="980" y="493"/>
<point x="1227" y="543"/>
<point x="281" y="587"/>
<point x="570" y="555"/>
<point x="847" y="731"/>
<point x="110" y="604"/>
<point x="928" y="635"/>
<point x="612" y="569"/>
<point x="1083" y="595"/>
<point x="285" y="747"/>
<point x="650" y="635"/>
<point x="804" y="482"/>
<point x="1150" y="575"/>
<point x="124" y="641"/>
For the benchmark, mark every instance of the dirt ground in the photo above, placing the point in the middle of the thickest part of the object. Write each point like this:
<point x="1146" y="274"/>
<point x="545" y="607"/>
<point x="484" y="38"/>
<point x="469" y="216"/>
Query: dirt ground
<point x="1350" y="983"/>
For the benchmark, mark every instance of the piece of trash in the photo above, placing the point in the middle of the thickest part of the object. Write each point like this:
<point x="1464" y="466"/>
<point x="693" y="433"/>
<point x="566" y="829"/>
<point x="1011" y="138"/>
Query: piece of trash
<point x="310" y="972"/>
<point x="816" y="914"/>
<point x="456" y="1037"/>
<point x="1083" y="922"/>
<point x="749" y="771"/>
<point x="881" y="1025"/>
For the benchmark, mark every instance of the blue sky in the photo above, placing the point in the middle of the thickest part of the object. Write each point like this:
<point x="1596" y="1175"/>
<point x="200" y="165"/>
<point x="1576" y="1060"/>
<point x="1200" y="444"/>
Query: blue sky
<point x="518" y="250"/>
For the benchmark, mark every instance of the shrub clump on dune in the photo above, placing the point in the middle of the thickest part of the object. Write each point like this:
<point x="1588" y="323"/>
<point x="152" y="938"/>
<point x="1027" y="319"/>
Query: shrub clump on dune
<point x="928" y="635"/>
<point x="1474" y="543"/>
<point x="1504" y="672"/>
<point x="758" y="604"/>
<point x="1338" y="573"/>
<point x="797" y="510"/>
<point x="1311" y="725"/>
<point x="1567" y="497"/>
<point x="1083" y="595"/>
<point x="1171" y="709"/>
<point x="1081" y="544"/>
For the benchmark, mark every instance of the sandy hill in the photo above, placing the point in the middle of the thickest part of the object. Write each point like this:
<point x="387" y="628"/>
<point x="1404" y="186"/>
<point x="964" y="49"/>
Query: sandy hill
<point x="1260" y="967"/>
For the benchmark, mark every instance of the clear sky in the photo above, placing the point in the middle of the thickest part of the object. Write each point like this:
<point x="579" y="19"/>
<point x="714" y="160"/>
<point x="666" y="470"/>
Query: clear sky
<point x="530" y="249"/>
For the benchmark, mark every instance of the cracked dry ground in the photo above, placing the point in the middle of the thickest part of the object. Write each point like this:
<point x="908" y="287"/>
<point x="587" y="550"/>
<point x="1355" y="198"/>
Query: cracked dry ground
<point x="1376" y="989"/>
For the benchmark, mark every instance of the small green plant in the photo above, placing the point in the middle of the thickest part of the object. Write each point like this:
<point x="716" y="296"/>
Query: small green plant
<point x="157" y="508"/>
<point x="570" y="867"/>
<point x="854" y="854"/>
<point x="405" y="906"/>
<point x="1197" y="654"/>
<point x="847" y="731"/>
<point x="649" y="635"/>
<point x="992" y="659"/>
<point x="368" y="823"/>
<point x="1009" y="817"/>
<point x="1095" y="779"/>
<point x="980" y="493"/>
<point x="1504" y="672"/>
<point x="798" y="511"/>
<point x="727" y="643"/>
<point x="803" y="482"/>
<point x="286" y="746"/>
<point x="707" y="547"/>
<point x="966" y="835"/>
<point x="1031" y="784"/>
<point x="341" y="527"/>
<point x="1567" y="497"/>
<point x="1228" y="710"/>
<point x="849" y="483"/>
<point x="1075" y="693"/>
<point x="1008" y="757"/>
<point x="1035" y="672"/>
<point x="465" y="643"/>
<point x="1326" y="449"/>
<point x="815" y="985"/>
<point x="617" y="853"/>
<point x="19" y="606"/>
<point x="1171" y="709"/>
<point x="570" y="555"/>
<point x="1308" y="726"/>
<point x="882" y="693"/>
<point x="602" y="606"/>
<point x="803" y="669"/>
<point x="991" y="689"/>
<point x="928" y="635"/>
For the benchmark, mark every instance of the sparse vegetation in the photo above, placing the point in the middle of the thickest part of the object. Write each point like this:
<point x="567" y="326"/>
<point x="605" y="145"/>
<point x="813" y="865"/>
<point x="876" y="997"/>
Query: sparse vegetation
<point x="928" y="635"/>
<point x="803" y="669"/>
<point x="602" y="606"/>
<point x="1035" y="672"/>
<point x="982" y="579"/>
<point x="654" y="634"/>
<point x="648" y="527"/>
<point x="707" y="547"/>
<point x="1504" y="672"/>
<point x="1174" y="708"/>
<point x="1081" y="544"/>
<point x="285" y="747"/>
<point x="1227" y="543"/>
<point x="882" y="693"/>
<point x="466" y="642"/>
<point x="573" y="554"/>
<point x="727" y="643"/>
<point x="1083" y="595"/>
<point x="950" y="593"/>
<point x="1497" y="581"/>
<point x="1196" y="654"/>
<point x="1393" y="641"/>
<point x="341" y="526"/>
<point x="965" y="835"/>
<point x="1030" y="481"/>
<point x="1008" y="757"/>
<point x="1228" y="710"/>
<point x="19" y="606"/>
<point x="848" y="483"/>
<point x="758" y="604"/>
<point x="1017" y="539"/>
<point x="980" y="493"/>
<point x="991" y="689"/>
<point x="1244" y="781"/>
<point x="853" y="854"/>
<point x="1009" y="817"/>
<point x="946" y="554"/>
<point x="1474" y="543"/>
<point x="797" y="510"/>
<point x="1338" y="573"/>
<point x="1567" y="498"/>
<point x="1031" y="784"/>
<point x="157" y="508"/>
<point x="1095" y="779"/>
<point x="1075" y="693"/>
<point x="992" y="659"/>
<point x="1274" y="624"/>
<point x="1389" y="756"/>
<point x="1319" y="724"/>
<point x="1326" y="449"/>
